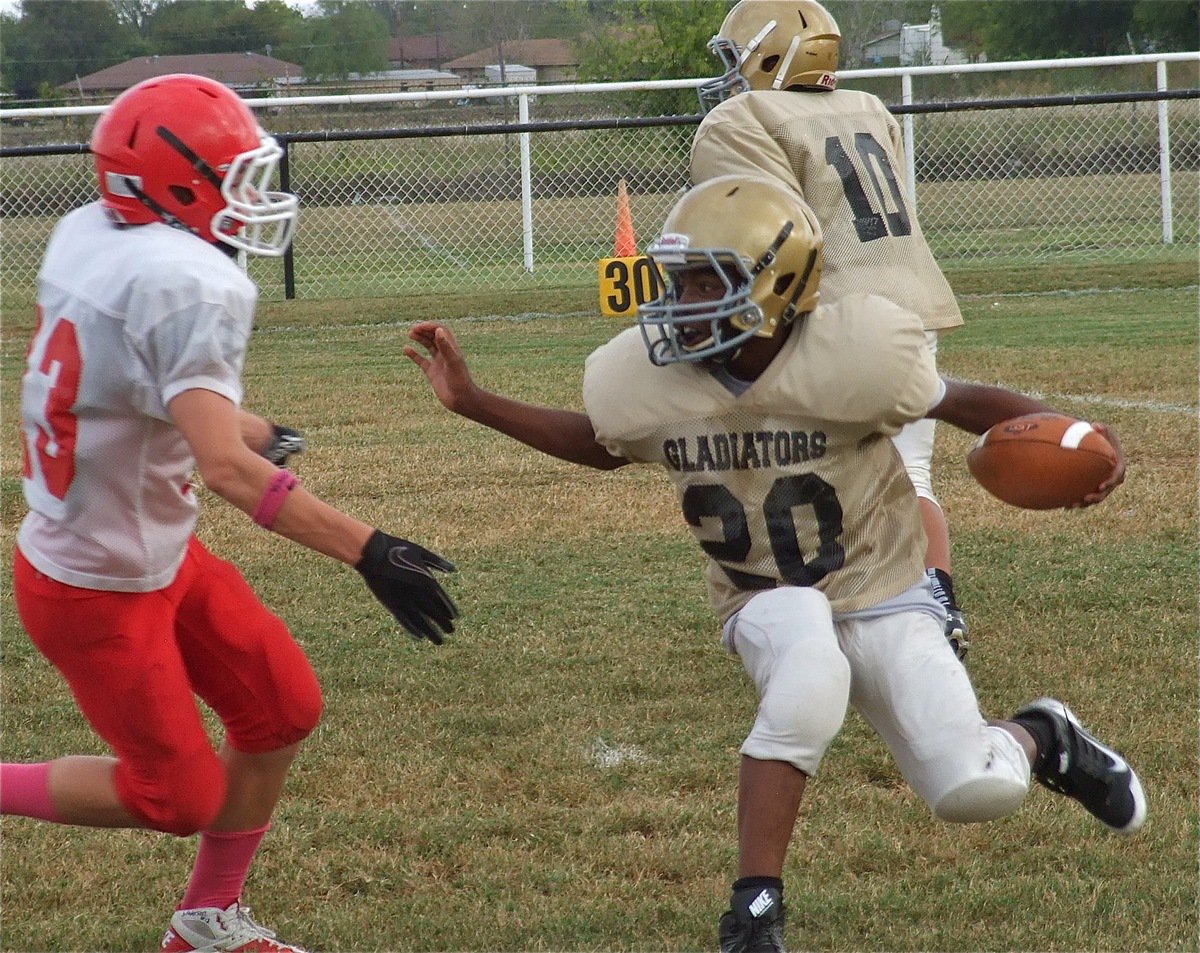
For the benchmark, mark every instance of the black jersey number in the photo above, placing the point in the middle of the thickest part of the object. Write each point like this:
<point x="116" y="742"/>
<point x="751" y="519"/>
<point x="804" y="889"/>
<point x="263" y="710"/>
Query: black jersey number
<point x="712" y="500"/>
<point x="868" y="223"/>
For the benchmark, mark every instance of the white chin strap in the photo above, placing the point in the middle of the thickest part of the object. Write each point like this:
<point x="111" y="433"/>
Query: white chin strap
<point x="785" y="66"/>
<point x="756" y="42"/>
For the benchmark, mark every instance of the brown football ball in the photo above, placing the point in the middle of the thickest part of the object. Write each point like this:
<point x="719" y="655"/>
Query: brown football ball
<point x="1041" y="461"/>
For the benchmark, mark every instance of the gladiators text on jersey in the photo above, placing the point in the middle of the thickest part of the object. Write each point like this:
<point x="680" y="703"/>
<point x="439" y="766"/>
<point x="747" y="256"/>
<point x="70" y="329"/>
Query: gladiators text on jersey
<point x="749" y="450"/>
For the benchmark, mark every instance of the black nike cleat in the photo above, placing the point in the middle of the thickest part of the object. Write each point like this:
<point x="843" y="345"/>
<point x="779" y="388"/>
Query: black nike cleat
<point x="1080" y="767"/>
<point x="755" y="926"/>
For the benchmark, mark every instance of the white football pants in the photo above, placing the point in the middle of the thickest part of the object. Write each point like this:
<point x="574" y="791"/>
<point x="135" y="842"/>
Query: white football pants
<point x="899" y="673"/>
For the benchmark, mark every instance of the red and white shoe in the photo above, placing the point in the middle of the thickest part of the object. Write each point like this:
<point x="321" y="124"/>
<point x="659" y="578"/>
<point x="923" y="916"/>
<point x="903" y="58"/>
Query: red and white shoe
<point x="211" y="930"/>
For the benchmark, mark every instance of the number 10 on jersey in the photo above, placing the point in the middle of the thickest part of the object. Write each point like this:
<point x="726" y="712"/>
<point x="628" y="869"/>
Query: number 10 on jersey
<point x="626" y="283"/>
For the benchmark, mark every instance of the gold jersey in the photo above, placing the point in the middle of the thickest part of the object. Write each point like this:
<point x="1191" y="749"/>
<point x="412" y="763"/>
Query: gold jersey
<point x="842" y="152"/>
<point x="794" y="481"/>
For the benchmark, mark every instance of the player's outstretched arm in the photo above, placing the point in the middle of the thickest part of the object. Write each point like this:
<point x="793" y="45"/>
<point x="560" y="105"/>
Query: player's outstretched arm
<point x="271" y="440"/>
<point x="976" y="407"/>
<point x="399" y="573"/>
<point x="566" y="434"/>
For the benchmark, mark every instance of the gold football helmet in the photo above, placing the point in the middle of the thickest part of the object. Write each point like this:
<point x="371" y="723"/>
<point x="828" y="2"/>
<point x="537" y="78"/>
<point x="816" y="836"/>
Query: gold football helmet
<point x="774" y="44"/>
<point x="764" y="244"/>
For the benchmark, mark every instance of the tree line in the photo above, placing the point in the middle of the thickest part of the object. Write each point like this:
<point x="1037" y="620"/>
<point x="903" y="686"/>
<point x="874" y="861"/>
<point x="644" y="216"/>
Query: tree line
<point x="47" y="43"/>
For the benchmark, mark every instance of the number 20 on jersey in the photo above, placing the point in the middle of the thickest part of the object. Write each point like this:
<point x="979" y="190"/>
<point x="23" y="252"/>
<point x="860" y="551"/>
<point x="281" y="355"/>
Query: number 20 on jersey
<point x="626" y="283"/>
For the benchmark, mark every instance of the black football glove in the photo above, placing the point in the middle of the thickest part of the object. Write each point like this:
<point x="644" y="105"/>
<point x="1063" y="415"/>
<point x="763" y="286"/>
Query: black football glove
<point x="285" y="442"/>
<point x="398" y="574"/>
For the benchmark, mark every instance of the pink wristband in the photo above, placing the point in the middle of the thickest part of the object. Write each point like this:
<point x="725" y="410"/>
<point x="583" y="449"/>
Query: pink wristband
<point x="273" y="498"/>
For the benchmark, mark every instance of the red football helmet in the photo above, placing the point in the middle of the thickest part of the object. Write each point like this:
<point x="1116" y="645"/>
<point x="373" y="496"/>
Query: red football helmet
<point x="185" y="150"/>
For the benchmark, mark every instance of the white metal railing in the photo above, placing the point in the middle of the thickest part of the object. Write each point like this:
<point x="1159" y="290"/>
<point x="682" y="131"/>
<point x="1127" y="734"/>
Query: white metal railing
<point x="960" y="216"/>
<point x="557" y="89"/>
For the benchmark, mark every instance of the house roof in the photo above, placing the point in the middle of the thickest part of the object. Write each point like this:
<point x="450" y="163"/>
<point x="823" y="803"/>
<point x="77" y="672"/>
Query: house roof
<point x="535" y="53"/>
<point x="432" y="46"/>
<point x="232" y="69"/>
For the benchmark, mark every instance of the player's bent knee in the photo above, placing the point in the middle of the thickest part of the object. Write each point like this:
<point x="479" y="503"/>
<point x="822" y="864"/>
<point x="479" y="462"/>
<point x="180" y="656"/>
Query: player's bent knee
<point x="797" y="725"/>
<point x="304" y="711"/>
<point x="300" y="703"/>
<point x="980" y="799"/>
<point x="293" y="720"/>
<point x="790" y="649"/>
<point x="179" y="797"/>
<point x="288" y="716"/>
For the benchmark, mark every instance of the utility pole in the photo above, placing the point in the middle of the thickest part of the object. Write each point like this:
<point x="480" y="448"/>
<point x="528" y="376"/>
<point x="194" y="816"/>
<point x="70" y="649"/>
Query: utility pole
<point x="499" y="42"/>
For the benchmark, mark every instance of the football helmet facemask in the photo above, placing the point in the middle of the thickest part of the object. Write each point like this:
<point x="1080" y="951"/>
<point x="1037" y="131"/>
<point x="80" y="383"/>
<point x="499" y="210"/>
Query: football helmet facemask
<point x="187" y="151"/>
<point x="764" y="244"/>
<point x="774" y="44"/>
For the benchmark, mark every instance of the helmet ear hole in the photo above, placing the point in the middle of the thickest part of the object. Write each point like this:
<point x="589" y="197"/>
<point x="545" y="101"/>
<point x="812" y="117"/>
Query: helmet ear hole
<point x="182" y="194"/>
<point x="783" y="282"/>
<point x="769" y="63"/>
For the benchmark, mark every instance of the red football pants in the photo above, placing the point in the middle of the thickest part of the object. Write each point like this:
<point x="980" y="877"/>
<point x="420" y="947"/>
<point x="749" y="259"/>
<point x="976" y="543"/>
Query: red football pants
<point x="136" y="661"/>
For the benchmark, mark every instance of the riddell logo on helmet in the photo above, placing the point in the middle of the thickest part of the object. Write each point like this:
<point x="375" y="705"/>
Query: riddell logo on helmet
<point x="671" y="248"/>
<point x="828" y="81"/>
<point x="673" y="241"/>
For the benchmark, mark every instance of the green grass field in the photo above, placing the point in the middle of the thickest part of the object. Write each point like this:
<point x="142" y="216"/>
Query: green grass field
<point x="561" y="774"/>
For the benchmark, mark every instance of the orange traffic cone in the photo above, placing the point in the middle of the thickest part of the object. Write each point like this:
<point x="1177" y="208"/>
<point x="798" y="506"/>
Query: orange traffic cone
<point x="625" y="245"/>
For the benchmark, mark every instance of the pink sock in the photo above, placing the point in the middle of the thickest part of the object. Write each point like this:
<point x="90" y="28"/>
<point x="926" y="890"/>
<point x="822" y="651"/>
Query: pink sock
<point x="222" y="863"/>
<point x="25" y="790"/>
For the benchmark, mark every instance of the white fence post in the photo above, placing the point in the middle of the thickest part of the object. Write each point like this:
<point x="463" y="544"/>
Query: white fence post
<point x="910" y="160"/>
<point x="526" y="184"/>
<point x="1164" y="159"/>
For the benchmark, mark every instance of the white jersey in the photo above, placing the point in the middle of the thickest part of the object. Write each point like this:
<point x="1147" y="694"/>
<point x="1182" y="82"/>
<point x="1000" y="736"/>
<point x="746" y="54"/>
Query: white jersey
<point x="128" y="319"/>
<point x="841" y="151"/>
<point x="794" y="481"/>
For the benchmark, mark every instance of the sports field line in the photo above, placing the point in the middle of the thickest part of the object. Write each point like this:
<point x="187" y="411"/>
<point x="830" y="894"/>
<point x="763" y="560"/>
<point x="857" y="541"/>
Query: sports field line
<point x="1104" y="400"/>
<point x="409" y="322"/>
<point x="1068" y="292"/>
<point x="423" y="240"/>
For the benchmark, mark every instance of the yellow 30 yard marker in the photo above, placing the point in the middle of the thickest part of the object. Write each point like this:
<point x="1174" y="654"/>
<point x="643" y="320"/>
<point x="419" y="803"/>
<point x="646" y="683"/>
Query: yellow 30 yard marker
<point x="625" y="283"/>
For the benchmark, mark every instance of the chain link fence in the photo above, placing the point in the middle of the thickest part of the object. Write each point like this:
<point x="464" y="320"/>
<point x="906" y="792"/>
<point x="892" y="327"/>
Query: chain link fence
<point x="447" y="195"/>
